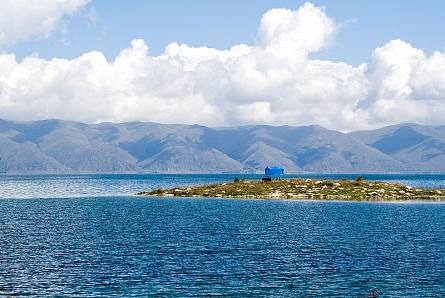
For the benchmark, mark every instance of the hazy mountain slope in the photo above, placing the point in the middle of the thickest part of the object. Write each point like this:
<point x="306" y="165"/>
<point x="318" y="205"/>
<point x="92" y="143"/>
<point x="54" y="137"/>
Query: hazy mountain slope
<point x="324" y="150"/>
<point x="427" y="156"/>
<point x="55" y="145"/>
<point x="257" y="146"/>
<point x="305" y="148"/>
<point x="259" y="155"/>
<point x="80" y="148"/>
<point x="190" y="159"/>
<point x="18" y="157"/>
<point x="420" y="146"/>
<point x="175" y="148"/>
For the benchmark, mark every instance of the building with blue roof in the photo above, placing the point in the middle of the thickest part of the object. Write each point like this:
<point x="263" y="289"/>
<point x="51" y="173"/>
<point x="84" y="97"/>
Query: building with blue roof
<point x="273" y="171"/>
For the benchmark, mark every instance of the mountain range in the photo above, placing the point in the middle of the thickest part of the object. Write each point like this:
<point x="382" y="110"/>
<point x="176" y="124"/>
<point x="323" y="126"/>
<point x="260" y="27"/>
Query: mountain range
<point x="50" y="146"/>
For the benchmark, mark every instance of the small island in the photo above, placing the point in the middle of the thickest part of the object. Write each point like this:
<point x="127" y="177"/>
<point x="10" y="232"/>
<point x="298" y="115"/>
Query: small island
<point x="305" y="189"/>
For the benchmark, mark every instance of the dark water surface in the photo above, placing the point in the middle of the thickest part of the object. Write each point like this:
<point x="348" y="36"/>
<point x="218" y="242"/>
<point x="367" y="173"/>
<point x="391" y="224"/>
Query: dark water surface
<point x="130" y="246"/>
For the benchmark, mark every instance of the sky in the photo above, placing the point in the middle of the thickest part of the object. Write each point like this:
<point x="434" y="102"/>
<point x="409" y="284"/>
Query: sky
<point x="341" y="64"/>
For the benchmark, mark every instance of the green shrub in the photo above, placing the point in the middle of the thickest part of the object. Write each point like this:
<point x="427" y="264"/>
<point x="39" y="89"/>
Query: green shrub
<point x="328" y="183"/>
<point x="159" y="191"/>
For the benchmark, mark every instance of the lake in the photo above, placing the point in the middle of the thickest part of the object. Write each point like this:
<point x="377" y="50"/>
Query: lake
<point x="88" y="235"/>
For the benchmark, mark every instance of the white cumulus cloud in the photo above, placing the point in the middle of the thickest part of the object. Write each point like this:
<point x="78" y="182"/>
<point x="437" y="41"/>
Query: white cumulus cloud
<point x="274" y="81"/>
<point x="24" y="19"/>
<point x="405" y="85"/>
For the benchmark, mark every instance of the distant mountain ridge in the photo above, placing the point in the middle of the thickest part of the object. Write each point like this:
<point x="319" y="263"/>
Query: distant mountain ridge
<point x="66" y="146"/>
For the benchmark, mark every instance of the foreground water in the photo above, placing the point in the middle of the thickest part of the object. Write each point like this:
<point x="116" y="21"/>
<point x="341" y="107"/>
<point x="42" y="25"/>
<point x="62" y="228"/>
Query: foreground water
<point x="72" y="242"/>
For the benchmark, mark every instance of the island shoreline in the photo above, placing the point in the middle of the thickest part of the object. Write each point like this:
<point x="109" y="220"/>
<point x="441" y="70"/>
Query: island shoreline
<point x="407" y="202"/>
<point x="305" y="190"/>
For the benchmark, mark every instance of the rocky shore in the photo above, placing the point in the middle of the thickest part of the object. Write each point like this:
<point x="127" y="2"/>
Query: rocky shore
<point x="305" y="189"/>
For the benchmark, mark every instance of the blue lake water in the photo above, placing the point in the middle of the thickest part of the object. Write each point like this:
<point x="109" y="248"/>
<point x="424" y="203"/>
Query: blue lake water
<point x="87" y="235"/>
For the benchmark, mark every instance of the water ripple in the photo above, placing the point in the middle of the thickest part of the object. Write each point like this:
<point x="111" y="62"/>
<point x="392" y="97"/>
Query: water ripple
<point x="127" y="246"/>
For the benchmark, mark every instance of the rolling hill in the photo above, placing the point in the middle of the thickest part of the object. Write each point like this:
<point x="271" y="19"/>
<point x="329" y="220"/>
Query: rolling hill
<point x="65" y="146"/>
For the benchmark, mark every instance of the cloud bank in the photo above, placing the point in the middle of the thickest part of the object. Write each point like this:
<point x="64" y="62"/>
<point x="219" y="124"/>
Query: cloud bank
<point x="23" y="19"/>
<point x="274" y="81"/>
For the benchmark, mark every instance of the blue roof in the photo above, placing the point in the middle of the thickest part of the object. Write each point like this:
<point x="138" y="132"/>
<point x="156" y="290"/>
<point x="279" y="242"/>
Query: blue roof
<point x="273" y="170"/>
<point x="274" y="167"/>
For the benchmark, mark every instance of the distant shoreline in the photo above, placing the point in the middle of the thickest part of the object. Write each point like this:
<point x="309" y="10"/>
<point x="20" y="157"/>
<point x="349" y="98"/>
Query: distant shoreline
<point x="306" y="190"/>
<point x="259" y="173"/>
